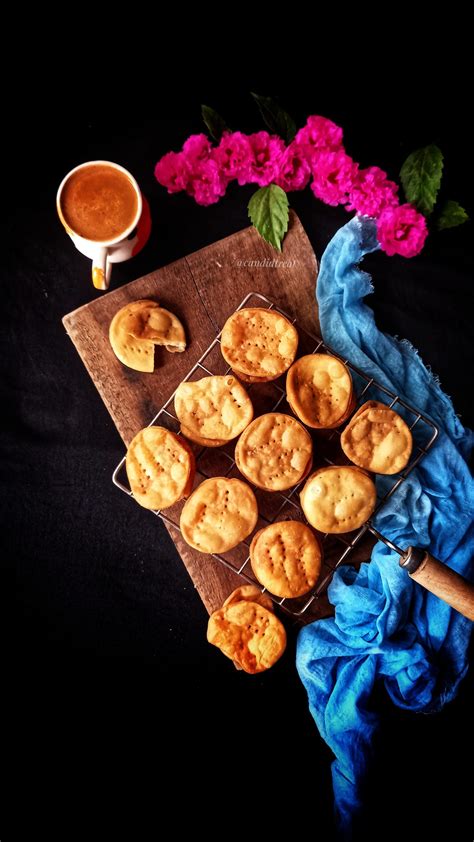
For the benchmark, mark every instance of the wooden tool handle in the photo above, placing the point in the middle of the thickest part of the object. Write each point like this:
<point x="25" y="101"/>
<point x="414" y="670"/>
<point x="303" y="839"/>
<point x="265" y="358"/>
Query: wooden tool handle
<point x="440" y="580"/>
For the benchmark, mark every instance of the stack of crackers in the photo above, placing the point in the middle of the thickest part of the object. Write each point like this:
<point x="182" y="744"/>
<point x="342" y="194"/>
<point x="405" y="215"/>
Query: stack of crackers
<point x="273" y="452"/>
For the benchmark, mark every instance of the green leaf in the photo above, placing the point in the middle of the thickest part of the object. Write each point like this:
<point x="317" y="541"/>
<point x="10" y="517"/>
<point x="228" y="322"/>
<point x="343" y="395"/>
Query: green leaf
<point x="421" y="177"/>
<point x="268" y="210"/>
<point x="276" y="118"/>
<point x="215" y="124"/>
<point x="452" y="214"/>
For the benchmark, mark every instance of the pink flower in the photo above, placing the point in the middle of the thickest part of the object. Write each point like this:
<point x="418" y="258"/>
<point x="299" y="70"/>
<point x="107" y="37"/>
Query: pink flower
<point x="233" y="156"/>
<point x="402" y="230"/>
<point x="266" y="151"/>
<point x="319" y="134"/>
<point x="294" y="171"/>
<point x="205" y="171"/>
<point x="372" y="192"/>
<point x="197" y="148"/>
<point x="333" y="176"/>
<point x="206" y="184"/>
<point x="172" y="171"/>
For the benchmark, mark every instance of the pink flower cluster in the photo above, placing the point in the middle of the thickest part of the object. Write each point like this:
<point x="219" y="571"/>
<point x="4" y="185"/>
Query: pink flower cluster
<point x="316" y="154"/>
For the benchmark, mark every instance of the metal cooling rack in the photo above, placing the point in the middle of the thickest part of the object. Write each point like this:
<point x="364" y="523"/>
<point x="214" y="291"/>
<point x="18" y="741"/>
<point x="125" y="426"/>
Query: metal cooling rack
<point x="276" y="506"/>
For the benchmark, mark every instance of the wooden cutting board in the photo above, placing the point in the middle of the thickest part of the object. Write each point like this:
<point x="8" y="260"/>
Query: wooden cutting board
<point x="203" y="289"/>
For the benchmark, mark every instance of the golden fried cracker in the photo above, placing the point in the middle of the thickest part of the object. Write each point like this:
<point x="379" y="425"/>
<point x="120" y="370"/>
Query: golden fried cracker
<point x="274" y="452"/>
<point x="138" y="354"/>
<point x="250" y="593"/>
<point x="219" y="514"/>
<point x="259" y="343"/>
<point x="377" y="439"/>
<point x="319" y="390"/>
<point x="338" y="499"/>
<point x="248" y="634"/>
<point x="216" y="407"/>
<point x="286" y="558"/>
<point x="160" y="468"/>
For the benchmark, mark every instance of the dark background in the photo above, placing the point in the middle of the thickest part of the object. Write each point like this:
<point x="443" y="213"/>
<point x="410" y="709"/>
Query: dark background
<point x="122" y="704"/>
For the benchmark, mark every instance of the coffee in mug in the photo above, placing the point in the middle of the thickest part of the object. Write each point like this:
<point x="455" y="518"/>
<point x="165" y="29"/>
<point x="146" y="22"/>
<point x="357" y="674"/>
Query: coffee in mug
<point x="100" y="204"/>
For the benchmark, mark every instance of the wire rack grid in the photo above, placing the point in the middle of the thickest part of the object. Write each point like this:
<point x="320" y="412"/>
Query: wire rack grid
<point x="278" y="506"/>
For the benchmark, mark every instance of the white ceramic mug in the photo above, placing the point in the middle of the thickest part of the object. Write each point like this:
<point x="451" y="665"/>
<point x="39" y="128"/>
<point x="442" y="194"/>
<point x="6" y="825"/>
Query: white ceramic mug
<point x="104" y="253"/>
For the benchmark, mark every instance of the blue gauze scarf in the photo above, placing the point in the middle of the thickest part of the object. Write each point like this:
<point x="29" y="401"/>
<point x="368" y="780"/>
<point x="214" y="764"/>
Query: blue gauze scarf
<point x="386" y="627"/>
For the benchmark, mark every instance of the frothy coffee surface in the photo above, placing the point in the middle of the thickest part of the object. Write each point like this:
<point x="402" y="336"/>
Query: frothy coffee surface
<point x="99" y="202"/>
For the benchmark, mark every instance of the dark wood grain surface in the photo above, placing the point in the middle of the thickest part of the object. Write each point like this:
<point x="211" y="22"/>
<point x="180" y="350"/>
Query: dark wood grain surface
<point x="202" y="289"/>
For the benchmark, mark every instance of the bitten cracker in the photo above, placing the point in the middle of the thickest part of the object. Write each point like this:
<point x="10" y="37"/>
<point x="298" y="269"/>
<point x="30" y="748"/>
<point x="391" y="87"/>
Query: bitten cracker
<point x="286" y="558"/>
<point x="219" y="514"/>
<point x="338" y="499"/>
<point x="274" y="452"/>
<point x="319" y="390"/>
<point x="138" y="327"/>
<point x="160" y="326"/>
<point x="259" y="343"/>
<point x="248" y="634"/>
<point x="160" y="468"/>
<point x="377" y="439"/>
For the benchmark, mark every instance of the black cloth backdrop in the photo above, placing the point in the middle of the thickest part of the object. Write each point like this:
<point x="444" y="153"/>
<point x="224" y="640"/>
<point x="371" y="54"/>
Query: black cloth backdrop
<point x="115" y="677"/>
